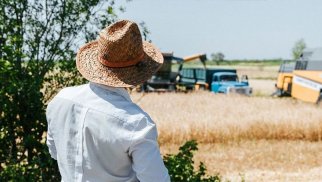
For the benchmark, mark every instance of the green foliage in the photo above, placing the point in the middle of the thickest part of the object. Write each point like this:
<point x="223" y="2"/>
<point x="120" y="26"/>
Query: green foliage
<point x="181" y="166"/>
<point x="22" y="151"/>
<point x="298" y="48"/>
<point x="63" y="74"/>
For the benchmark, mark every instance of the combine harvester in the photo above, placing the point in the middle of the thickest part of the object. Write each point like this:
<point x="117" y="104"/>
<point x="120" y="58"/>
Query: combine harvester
<point x="173" y="77"/>
<point x="302" y="79"/>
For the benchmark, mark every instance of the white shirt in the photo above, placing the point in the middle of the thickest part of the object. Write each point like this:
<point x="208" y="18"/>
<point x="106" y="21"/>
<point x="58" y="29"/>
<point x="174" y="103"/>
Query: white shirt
<point x="96" y="133"/>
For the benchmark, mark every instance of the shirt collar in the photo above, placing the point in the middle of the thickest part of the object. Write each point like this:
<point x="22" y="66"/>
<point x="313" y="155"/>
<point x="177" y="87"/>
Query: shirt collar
<point x="118" y="90"/>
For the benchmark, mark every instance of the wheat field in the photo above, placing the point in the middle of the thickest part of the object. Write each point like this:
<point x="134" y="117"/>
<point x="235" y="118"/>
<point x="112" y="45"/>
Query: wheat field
<point x="212" y="118"/>
<point x="260" y="138"/>
<point x="260" y="160"/>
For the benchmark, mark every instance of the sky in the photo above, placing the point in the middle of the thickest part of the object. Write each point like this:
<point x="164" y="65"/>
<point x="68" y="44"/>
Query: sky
<point x="240" y="29"/>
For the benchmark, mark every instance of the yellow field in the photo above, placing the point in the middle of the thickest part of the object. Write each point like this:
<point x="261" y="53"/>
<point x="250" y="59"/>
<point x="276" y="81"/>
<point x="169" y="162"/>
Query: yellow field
<point x="262" y="138"/>
<point x="213" y="118"/>
<point x="262" y="87"/>
<point x="261" y="160"/>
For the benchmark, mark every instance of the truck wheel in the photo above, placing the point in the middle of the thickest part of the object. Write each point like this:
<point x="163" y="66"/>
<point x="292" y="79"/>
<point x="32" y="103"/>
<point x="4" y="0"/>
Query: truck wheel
<point x="277" y="93"/>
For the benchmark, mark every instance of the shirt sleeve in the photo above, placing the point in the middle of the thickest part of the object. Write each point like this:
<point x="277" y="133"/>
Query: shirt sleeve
<point x="144" y="150"/>
<point x="51" y="146"/>
<point x="50" y="140"/>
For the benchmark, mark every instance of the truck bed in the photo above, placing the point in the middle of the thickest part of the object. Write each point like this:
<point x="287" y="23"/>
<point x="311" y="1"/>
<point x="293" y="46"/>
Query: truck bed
<point x="200" y="75"/>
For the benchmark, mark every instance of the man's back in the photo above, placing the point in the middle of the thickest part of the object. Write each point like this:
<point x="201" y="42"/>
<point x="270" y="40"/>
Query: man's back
<point x="100" y="135"/>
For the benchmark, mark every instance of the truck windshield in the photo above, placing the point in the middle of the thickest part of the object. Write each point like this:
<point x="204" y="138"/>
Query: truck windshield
<point x="227" y="78"/>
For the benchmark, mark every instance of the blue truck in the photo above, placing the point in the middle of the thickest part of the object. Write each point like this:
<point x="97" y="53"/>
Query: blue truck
<point x="217" y="80"/>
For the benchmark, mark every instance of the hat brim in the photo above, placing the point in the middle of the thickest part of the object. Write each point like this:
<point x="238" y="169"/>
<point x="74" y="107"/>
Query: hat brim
<point x="89" y="66"/>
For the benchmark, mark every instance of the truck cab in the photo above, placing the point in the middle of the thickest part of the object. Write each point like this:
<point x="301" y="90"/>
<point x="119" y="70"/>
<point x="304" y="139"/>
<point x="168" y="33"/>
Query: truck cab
<point x="228" y="82"/>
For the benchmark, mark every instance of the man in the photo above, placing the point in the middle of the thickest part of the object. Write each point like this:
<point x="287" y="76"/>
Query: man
<point x="95" y="132"/>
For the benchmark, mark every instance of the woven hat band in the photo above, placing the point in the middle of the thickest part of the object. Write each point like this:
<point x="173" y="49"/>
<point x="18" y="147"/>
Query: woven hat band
<point x="120" y="64"/>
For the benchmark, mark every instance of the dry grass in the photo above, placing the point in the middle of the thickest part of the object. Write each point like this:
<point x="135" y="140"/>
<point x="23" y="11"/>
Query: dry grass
<point x="211" y="118"/>
<point x="261" y="160"/>
<point x="262" y="87"/>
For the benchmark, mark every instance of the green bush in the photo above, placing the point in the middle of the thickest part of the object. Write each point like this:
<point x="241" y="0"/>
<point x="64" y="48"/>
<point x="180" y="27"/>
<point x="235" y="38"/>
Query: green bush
<point x="181" y="166"/>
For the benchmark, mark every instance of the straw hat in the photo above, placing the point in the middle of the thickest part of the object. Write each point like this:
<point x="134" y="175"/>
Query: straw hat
<point x="119" y="58"/>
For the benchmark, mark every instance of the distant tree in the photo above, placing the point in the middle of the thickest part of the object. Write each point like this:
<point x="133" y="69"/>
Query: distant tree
<point x="217" y="57"/>
<point x="298" y="48"/>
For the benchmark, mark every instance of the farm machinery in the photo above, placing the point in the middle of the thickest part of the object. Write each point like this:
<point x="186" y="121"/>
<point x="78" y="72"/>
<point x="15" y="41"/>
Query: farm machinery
<point x="173" y="76"/>
<point x="302" y="79"/>
<point x="168" y="76"/>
